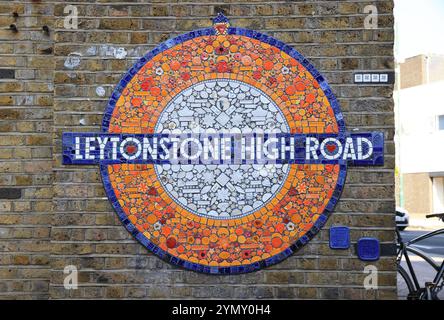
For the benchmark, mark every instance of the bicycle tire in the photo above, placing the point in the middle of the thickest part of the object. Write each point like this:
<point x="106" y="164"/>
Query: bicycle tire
<point x="418" y="252"/>
<point x="408" y="281"/>
<point x="420" y="293"/>
<point x="432" y="264"/>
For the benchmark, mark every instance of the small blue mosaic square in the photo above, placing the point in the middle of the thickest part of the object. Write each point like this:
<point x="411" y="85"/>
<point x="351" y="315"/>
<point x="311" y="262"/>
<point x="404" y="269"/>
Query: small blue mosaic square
<point x="368" y="249"/>
<point x="339" y="237"/>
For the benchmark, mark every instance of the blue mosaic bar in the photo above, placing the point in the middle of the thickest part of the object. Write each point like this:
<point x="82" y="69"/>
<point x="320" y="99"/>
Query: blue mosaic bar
<point x="106" y="148"/>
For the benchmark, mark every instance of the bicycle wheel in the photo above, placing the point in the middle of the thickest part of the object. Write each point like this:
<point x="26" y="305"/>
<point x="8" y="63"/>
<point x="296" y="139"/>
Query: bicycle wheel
<point x="425" y="269"/>
<point x="405" y="285"/>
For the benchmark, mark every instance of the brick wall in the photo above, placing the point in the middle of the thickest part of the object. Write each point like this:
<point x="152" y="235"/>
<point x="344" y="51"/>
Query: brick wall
<point x="60" y="216"/>
<point x="26" y="125"/>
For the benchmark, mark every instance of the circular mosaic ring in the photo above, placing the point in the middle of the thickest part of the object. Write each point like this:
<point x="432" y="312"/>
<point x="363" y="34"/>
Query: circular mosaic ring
<point x="223" y="219"/>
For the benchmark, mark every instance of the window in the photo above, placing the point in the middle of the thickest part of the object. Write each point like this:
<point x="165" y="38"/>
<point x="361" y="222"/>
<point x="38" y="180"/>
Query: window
<point x="441" y="122"/>
<point x="438" y="194"/>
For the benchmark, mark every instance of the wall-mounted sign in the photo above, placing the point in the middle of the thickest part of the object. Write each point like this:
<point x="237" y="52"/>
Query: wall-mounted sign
<point x="223" y="150"/>
<point x="366" y="78"/>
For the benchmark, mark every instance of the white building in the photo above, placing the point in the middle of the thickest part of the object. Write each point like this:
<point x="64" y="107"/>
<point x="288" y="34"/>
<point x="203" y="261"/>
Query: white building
<point x="419" y="110"/>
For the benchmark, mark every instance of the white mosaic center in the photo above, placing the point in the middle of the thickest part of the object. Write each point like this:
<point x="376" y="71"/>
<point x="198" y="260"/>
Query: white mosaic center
<point x="222" y="191"/>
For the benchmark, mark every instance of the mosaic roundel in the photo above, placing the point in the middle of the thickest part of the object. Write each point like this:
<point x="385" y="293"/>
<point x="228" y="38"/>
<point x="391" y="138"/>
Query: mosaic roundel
<point x="223" y="218"/>
<point x="212" y="218"/>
